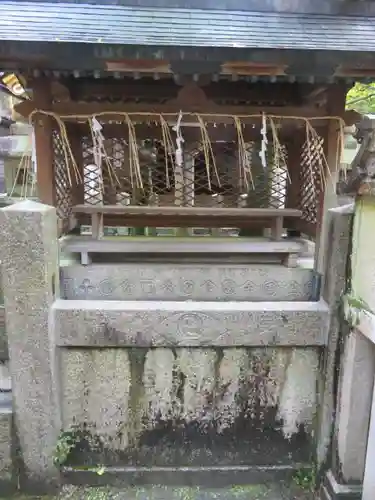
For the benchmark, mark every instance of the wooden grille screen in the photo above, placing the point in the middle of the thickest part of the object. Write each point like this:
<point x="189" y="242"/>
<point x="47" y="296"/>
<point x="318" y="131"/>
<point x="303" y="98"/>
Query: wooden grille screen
<point x="192" y="185"/>
<point x="311" y="184"/>
<point x="63" y="189"/>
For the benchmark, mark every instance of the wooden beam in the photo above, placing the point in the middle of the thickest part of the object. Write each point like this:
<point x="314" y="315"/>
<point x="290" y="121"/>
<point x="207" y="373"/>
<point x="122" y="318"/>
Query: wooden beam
<point x="280" y="94"/>
<point x="150" y="90"/>
<point x="42" y="99"/>
<point x="318" y="94"/>
<point x="71" y="111"/>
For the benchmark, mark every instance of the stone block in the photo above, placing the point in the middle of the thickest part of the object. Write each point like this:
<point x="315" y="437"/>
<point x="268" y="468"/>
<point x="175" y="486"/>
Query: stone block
<point x="29" y="256"/>
<point x="153" y="323"/>
<point x="144" y="281"/>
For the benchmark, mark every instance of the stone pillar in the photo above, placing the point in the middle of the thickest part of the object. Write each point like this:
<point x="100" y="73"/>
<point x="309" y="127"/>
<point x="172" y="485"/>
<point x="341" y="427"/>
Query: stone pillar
<point x="29" y="257"/>
<point x="354" y="408"/>
<point x="346" y="400"/>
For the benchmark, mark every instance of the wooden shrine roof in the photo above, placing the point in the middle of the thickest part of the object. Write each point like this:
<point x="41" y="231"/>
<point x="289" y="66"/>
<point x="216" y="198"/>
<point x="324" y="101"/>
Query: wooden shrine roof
<point x="181" y="27"/>
<point x="116" y="38"/>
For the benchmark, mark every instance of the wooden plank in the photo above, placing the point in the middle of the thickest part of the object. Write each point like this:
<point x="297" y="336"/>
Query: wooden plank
<point x="173" y="222"/>
<point x="174" y="216"/>
<point x="197" y="211"/>
<point x="81" y="244"/>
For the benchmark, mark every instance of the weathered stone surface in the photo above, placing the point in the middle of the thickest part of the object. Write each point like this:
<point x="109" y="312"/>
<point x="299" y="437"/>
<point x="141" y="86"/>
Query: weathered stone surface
<point x="141" y="323"/>
<point x="3" y="344"/>
<point x="353" y="415"/>
<point x="186" y="282"/>
<point x="30" y="278"/>
<point x="6" y="470"/>
<point x="120" y="394"/>
<point x="96" y="389"/>
<point x="333" y="286"/>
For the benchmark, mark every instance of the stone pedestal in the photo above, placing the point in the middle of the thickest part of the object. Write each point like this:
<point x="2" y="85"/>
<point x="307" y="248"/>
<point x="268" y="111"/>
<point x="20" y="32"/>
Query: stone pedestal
<point x="29" y="256"/>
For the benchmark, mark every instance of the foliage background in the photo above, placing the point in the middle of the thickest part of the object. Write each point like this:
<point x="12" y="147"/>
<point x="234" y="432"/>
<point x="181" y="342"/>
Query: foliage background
<point x="361" y="98"/>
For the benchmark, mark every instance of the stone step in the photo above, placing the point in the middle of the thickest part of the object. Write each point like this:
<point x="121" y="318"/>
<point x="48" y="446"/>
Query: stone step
<point x="183" y="282"/>
<point x="89" y="323"/>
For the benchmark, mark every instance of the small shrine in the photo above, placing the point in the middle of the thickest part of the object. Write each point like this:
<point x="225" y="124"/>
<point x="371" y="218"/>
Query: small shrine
<point x="198" y="139"/>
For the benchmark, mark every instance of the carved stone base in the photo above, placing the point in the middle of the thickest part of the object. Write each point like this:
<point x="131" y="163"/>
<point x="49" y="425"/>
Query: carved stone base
<point x="332" y="490"/>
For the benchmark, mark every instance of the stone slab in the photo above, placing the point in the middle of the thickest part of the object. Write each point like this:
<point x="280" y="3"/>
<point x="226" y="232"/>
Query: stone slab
<point x="186" y="282"/>
<point x="152" y="323"/>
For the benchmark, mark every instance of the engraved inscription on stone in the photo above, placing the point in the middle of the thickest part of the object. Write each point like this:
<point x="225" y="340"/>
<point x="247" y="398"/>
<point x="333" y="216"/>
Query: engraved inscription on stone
<point x="190" y="325"/>
<point x="148" y="287"/>
<point x="168" y="286"/>
<point x="183" y="282"/>
<point x="187" y="287"/>
<point x="209" y="286"/>
<point x="106" y="287"/>
<point x="86" y="287"/>
<point x="229" y="287"/>
<point x="305" y="325"/>
<point x="127" y="287"/>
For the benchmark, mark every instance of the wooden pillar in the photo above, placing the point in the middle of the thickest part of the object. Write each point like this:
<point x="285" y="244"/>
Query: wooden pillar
<point x="78" y="188"/>
<point x="335" y="107"/>
<point x="43" y="127"/>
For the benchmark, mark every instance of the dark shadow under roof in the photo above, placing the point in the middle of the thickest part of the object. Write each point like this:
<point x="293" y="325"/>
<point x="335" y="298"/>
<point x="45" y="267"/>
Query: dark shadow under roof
<point x="116" y="24"/>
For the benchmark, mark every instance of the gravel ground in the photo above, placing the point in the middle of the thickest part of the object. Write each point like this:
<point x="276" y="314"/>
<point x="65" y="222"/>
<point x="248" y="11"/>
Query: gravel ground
<point x="280" y="491"/>
<point x="251" y="492"/>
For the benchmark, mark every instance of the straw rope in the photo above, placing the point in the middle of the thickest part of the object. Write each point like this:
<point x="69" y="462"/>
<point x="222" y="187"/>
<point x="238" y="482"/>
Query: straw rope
<point x="313" y="151"/>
